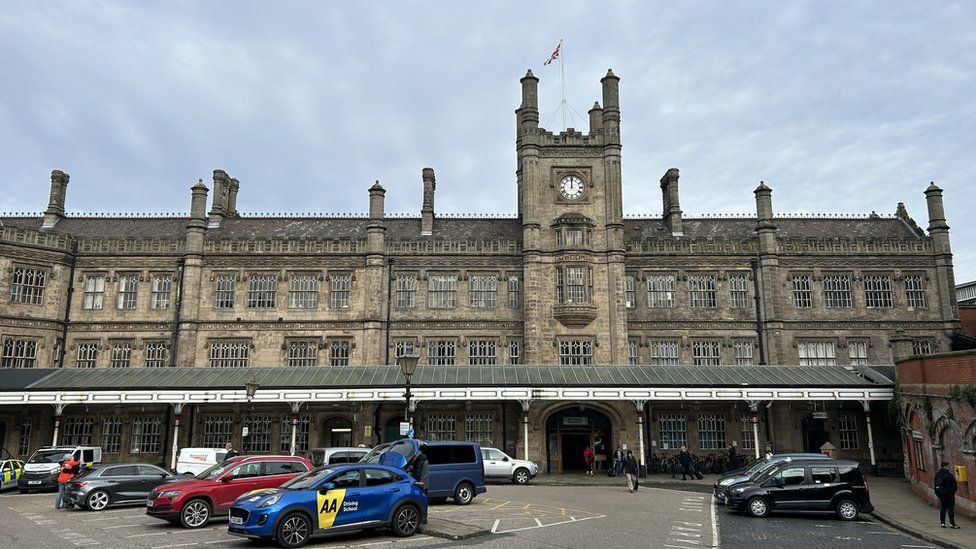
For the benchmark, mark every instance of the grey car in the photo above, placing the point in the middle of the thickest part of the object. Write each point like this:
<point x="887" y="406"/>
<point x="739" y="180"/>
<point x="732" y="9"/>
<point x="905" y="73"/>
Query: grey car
<point x="115" y="484"/>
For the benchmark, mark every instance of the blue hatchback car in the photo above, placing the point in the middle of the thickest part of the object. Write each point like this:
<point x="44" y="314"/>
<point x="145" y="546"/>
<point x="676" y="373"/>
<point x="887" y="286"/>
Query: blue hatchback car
<point x="331" y="499"/>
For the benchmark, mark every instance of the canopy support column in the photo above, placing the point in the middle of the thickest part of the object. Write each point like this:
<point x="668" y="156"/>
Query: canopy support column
<point x="525" y="428"/>
<point x="642" y="472"/>
<point x="867" y="419"/>
<point x="58" y="410"/>
<point x="177" y="416"/>
<point x="754" y="413"/>
<point x="294" y="425"/>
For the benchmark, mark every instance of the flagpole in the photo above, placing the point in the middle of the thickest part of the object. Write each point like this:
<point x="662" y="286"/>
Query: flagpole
<point x="562" y="81"/>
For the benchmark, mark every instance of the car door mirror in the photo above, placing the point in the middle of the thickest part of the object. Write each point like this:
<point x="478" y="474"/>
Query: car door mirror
<point x="326" y="487"/>
<point x="505" y="458"/>
<point x="227" y="478"/>
<point x="778" y="481"/>
<point x="164" y="475"/>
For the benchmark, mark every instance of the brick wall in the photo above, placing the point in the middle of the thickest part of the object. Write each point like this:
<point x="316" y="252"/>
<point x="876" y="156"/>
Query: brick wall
<point x="967" y="317"/>
<point x="939" y="421"/>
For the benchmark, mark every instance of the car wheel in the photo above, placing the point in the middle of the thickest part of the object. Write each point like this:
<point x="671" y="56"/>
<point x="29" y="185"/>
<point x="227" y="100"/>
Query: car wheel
<point x="521" y="476"/>
<point x="757" y="507"/>
<point x="463" y="494"/>
<point x="97" y="500"/>
<point x="847" y="510"/>
<point x="293" y="530"/>
<point x="195" y="514"/>
<point x="406" y="521"/>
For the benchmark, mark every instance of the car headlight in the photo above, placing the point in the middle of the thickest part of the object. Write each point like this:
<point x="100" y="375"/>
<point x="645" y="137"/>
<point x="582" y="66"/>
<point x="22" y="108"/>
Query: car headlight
<point x="170" y="493"/>
<point x="268" y="501"/>
<point x="725" y="482"/>
<point x="738" y="490"/>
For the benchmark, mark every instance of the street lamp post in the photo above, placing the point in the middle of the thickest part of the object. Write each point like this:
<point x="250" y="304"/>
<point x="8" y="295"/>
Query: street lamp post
<point x="250" y="388"/>
<point x="408" y="364"/>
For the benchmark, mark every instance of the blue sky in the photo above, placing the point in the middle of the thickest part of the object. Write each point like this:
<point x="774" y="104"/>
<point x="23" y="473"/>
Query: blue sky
<point x="839" y="107"/>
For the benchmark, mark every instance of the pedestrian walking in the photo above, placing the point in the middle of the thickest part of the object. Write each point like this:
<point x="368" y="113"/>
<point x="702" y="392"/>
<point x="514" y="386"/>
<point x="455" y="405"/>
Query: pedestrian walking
<point x="618" y="461"/>
<point x="69" y="468"/>
<point x="589" y="457"/>
<point x="231" y="452"/>
<point x="630" y="468"/>
<point x="684" y="458"/>
<point x="945" y="490"/>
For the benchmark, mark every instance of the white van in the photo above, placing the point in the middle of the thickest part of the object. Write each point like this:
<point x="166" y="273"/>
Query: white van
<point x="42" y="469"/>
<point x="193" y="461"/>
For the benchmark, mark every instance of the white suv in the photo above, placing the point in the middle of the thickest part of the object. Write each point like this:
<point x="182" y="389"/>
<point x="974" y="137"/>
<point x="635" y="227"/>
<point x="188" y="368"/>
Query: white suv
<point x="499" y="465"/>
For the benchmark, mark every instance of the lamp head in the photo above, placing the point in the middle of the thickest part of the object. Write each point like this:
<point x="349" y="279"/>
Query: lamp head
<point x="408" y="364"/>
<point x="251" y="387"/>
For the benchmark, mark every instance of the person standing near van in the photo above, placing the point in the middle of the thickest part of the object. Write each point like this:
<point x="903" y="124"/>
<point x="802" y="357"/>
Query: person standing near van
<point x="420" y="468"/>
<point x="69" y="468"/>
<point x="684" y="458"/>
<point x="589" y="457"/>
<point x="945" y="490"/>
<point x="630" y="468"/>
<point x="230" y="451"/>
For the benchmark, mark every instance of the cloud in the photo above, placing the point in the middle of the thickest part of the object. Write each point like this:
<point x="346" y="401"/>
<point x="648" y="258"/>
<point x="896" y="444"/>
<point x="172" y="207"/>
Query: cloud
<point x="837" y="106"/>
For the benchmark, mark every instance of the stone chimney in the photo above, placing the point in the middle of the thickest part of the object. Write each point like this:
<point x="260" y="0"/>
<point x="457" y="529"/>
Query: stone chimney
<point x="427" y="211"/>
<point x="764" y="207"/>
<point x="197" y="224"/>
<point x="672" y="206"/>
<point x="55" y="206"/>
<point x="938" y="228"/>
<point x="221" y="189"/>
<point x="232" y="198"/>
<point x="528" y="113"/>
<point x="611" y="107"/>
<point x="596" y="118"/>
<point x="376" y="230"/>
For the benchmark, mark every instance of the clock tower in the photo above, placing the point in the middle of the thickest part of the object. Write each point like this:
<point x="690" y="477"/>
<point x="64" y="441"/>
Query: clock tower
<point x="569" y="202"/>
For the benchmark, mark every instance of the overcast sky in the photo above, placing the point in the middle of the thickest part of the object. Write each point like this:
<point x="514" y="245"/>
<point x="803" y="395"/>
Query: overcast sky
<point x="839" y="107"/>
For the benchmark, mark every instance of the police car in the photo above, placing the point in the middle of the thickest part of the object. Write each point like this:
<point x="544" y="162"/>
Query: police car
<point x="10" y="471"/>
<point x="331" y="499"/>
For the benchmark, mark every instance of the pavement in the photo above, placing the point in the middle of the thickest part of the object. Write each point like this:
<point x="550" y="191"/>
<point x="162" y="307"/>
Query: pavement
<point x="897" y="506"/>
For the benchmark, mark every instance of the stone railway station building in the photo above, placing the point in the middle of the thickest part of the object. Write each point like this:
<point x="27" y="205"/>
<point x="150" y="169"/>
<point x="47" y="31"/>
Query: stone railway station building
<point x="568" y="324"/>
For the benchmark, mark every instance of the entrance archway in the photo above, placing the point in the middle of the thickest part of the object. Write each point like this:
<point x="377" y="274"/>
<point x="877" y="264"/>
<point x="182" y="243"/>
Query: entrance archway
<point x="814" y="434"/>
<point x="569" y="432"/>
<point x="337" y="432"/>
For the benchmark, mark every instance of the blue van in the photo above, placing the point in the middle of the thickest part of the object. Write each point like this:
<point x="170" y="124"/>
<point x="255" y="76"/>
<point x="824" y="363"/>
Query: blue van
<point x="456" y="468"/>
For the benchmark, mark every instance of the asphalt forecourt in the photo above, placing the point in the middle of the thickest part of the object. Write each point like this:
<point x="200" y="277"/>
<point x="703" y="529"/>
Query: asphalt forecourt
<point x="29" y="521"/>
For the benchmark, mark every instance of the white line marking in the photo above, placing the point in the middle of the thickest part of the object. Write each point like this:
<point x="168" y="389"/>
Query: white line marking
<point x="552" y="524"/>
<point x="926" y="546"/>
<point x="716" y="541"/>
<point x="121" y="526"/>
<point x="539" y="522"/>
<point x="494" y="527"/>
<point x="226" y="541"/>
<point x="112" y="518"/>
<point x="175" y="545"/>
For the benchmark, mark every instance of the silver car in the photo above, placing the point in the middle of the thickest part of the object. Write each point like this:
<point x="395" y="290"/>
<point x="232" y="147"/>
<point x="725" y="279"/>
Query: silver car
<point x="499" y="465"/>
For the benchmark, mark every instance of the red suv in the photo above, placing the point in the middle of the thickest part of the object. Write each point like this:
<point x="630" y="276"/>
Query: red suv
<point x="193" y="502"/>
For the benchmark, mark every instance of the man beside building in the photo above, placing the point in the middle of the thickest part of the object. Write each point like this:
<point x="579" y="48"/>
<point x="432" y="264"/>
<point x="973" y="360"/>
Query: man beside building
<point x="945" y="490"/>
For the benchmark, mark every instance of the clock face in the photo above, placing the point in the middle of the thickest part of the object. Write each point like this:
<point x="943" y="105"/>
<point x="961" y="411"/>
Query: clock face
<point x="571" y="187"/>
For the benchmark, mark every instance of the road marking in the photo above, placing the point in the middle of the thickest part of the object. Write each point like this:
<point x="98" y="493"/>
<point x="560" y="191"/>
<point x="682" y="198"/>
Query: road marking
<point x="121" y="526"/>
<point x="548" y="525"/>
<point x="500" y="505"/>
<point x="716" y="540"/>
<point x="112" y="518"/>
<point x="539" y="522"/>
<point x="174" y="531"/>
<point x="925" y="546"/>
<point x="175" y="545"/>
<point x="494" y="527"/>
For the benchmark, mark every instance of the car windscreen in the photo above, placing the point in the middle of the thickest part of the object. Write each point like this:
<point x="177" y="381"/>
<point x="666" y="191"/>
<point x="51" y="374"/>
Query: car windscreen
<point x="214" y="471"/>
<point x="767" y="470"/>
<point x="403" y="447"/>
<point x="305" y="481"/>
<point x="48" y="456"/>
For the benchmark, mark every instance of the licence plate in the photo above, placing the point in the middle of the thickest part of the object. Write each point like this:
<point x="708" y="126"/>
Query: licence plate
<point x="33" y="482"/>
<point x="236" y="520"/>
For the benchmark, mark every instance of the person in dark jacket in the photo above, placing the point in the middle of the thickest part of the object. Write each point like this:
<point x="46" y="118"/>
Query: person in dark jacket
<point x="684" y="458"/>
<point x="420" y="468"/>
<point x="945" y="490"/>
<point x="618" y="461"/>
<point x="231" y="452"/>
<point x="630" y="467"/>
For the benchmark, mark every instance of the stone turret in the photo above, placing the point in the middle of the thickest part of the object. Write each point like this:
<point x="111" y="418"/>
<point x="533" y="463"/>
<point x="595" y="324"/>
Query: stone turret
<point x="611" y="107"/>
<point x="938" y="228"/>
<point x="55" y="206"/>
<point x="596" y="118"/>
<point x="376" y="229"/>
<point x="672" y="206"/>
<point x="427" y="210"/>
<point x="939" y="233"/>
<point x="528" y="112"/>
<point x="197" y="224"/>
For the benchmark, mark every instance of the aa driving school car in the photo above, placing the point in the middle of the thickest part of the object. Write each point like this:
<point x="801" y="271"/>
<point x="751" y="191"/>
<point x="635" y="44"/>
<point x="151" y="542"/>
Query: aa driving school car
<point x="331" y="499"/>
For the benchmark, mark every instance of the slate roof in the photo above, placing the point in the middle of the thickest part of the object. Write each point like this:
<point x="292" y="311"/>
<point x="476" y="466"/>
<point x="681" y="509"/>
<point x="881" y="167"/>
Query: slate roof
<point x="443" y="376"/>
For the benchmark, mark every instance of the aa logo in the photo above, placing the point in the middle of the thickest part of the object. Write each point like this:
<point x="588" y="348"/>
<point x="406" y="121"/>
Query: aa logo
<point x="329" y="506"/>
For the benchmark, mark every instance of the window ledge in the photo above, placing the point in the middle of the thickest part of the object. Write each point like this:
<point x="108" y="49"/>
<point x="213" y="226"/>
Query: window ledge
<point x="574" y="315"/>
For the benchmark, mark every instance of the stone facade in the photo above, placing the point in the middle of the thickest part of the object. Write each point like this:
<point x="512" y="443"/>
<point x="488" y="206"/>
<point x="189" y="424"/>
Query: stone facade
<point x="568" y="280"/>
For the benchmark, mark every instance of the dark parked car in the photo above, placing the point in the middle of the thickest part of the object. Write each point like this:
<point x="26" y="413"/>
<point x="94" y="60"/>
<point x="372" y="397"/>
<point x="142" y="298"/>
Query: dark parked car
<point x="116" y="484"/>
<point x="824" y="485"/>
<point x="756" y="467"/>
